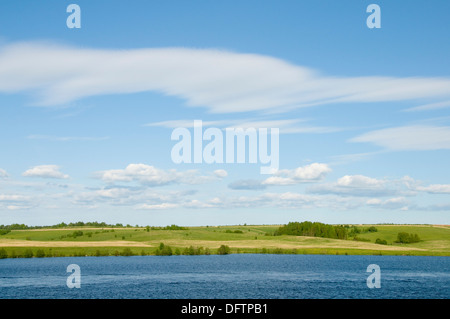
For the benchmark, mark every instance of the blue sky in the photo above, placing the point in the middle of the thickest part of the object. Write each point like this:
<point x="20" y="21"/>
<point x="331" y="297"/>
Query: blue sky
<point x="87" y="114"/>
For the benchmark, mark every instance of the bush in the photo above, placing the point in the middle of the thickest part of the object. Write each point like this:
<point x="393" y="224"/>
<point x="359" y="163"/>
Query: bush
<point x="380" y="241"/>
<point x="40" y="253"/>
<point x="163" y="250"/>
<point x="405" y="238"/>
<point x="223" y="250"/>
<point x="3" y="253"/>
<point x="126" y="252"/>
<point x="372" y="229"/>
<point x="237" y="231"/>
<point x="4" y="231"/>
<point x="28" y="253"/>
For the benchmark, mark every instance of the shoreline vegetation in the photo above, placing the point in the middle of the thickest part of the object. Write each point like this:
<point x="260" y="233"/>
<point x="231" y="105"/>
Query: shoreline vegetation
<point x="101" y="239"/>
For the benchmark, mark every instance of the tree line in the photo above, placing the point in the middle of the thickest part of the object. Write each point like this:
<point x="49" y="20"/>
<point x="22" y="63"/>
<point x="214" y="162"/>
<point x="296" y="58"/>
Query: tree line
<point x="314" y="229"/>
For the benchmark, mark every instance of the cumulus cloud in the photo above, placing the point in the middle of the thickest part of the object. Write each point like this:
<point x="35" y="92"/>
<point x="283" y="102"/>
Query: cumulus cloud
<point x="414" y="137"/>
<point x="45" y="171"/>
<point x="157" y="206"/>
<point x="152" y="176"/>
<point x="304" y="174"/>
<point x="222" y="81"/>
<point x="357" y="185"/>
<point x="391" y="203"/>
<point x="435" y="188"/>
<point x="221" y="173"/>
<point x="3" y="174"/>
<point x="309" y="173"/>
<point x="247" y="184"/>
<point x="16" y="201"/>
<point x="359" y="181"/>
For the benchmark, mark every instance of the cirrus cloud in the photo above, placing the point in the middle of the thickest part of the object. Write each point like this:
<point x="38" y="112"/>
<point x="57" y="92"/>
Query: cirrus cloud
<point x="222" y="81"/>
<point x="404" y="138"/>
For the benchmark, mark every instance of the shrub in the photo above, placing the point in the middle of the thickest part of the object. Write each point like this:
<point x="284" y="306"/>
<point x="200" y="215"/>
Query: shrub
<point x="163" y="250"/>
<point x="223" y="250"/>
<point x="3" y="253"/>
<point x="126" y="252"/>
<point x="40" y="253"/>
<point x="237" y="231"/>
<point x="189" y="251"/>
<point x="380" y="241"/>
<point x="28" y="253"/>
<point x="405" y="238"/>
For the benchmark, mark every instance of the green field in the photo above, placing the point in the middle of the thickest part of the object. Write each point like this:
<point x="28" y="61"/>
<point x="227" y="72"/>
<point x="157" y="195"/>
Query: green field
<point x="51" y="242"/>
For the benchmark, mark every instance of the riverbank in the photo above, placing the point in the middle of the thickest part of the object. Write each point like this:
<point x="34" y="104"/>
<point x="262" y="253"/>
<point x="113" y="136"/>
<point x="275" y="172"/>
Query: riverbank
<point x="127" y="241"/>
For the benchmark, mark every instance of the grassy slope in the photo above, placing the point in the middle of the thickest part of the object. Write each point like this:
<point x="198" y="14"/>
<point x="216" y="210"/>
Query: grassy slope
<point x="435" y="240"/>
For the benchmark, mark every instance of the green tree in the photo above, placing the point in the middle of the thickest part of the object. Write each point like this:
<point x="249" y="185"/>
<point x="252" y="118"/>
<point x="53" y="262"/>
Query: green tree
<point x="223" y="250"/>
<point x="4" y="231"/>
<point x="3" y="253"/>
<point x="126" y="252"/>
<point x="28" y="253"/>
<point x="406" y="238"/>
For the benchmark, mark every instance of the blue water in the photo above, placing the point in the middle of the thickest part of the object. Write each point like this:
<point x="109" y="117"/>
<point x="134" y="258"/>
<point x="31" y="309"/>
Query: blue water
<point x="237" y="276"/>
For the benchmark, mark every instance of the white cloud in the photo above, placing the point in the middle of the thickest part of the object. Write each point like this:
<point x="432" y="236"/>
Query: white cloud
<point x="391" y="203"/>
<point x="17" y="207"/>
<point x="435" y="189"/>
<point x="359" y="181"/>
<point x="221" y="173"/>
<point x="289" y="126"/>
<point x="415" y="137"/>
<point x="45" y="171"/>
<point x="150" y="175"/>
<point x="222" y="81"/>
<point x="430" y="106"/>
<point x="16" y="201"/>
<point x="156" y="206"/>
<point x="359" y="185"/>
<point x="3" y="174"/>
<point x="13" y="198"/>
<point x="247" y="184"/>
<point x="309" y="173"/>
